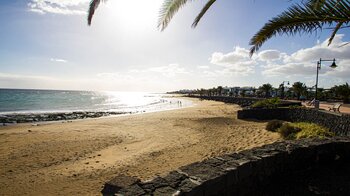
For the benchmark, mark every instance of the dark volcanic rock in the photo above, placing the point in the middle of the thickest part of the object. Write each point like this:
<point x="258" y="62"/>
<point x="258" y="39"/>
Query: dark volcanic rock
<point x="302" y="167"/>
<point x="120" y="182"/>
<point x="29" y="118"/>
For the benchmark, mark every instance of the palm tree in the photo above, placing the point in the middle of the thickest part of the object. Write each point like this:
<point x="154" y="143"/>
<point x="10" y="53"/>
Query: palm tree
<point x="266" y="89"/>
<point x="342" y="91"/>
<point x="170" y="7"/>
<point x="305" y="18"/>
<point x="92" y="8"/>
<point x="243" y="92"/>
<point x="299" y="89"/>
<point x="219" y="90"/>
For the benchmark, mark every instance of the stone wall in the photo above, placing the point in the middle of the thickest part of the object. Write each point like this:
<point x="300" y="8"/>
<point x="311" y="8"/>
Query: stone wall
<point x="337" y="123"/>
<point x="244" y="101"/>
<point x="307" y="167"/>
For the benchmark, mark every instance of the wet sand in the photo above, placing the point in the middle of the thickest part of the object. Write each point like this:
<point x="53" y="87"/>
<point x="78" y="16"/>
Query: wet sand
<point x="76" y="158"/>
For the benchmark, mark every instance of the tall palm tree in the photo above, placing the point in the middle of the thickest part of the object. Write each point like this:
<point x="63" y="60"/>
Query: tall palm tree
<point x="342" y="91"/>
<point x="299" y="89"/>
<point x="266" y="89"/>
<point x="219" y="90"/>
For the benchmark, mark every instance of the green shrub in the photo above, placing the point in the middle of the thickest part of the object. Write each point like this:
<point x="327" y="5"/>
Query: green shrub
<point x="267" y="103"/>
<point x="303" y="130"/>
<point x="288" y="131"/>
<point x="273" y="125"/>
<point x="309" y="130"/>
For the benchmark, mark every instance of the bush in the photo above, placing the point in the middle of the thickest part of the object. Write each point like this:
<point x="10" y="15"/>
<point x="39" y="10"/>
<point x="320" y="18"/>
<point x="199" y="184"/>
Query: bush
<point x="274" y="125"/>
<point x="303" y="130"/>
<point x="309" y="130"/>
<point x="267" y="103"/>
<point x="288" y="131"/>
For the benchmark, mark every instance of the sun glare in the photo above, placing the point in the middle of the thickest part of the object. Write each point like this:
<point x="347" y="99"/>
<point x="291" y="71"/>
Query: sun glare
<point x="134" y="14"/>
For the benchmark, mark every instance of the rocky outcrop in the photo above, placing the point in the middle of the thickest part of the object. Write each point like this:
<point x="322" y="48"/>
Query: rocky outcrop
<point x="29" y="118"/>
<point x="302" y="167"/>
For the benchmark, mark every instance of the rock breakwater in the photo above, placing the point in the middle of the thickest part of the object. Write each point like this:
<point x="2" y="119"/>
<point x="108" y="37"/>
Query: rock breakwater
<point x="6" y="119"/>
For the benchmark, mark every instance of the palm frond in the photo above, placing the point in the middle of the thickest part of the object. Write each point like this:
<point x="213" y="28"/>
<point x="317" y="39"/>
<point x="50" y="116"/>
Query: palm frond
<point x="302" y="19"/>
<point x="203" y="11"/>
<point x="92" y="8"/>
<point x="336" y="28"/>
<point x="168" y="10"/>
<point x="316" y="4"/>
<point x="344" y="44"/>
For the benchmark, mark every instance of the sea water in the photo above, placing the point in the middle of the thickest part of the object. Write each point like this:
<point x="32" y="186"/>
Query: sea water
<point x="47" y="101"/>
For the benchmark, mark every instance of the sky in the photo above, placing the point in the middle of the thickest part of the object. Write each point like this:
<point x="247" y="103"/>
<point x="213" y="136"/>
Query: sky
<point x="47" y="44"/>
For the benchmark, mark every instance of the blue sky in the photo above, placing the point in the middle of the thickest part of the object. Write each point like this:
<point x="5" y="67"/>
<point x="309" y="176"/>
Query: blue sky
<point x="47" y="44"/>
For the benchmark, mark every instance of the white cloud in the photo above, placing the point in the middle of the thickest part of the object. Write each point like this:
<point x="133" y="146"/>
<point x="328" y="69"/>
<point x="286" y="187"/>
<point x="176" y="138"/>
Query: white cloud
<point x="322" y="50"/>
<point x="303" y="62"/>
<point x="28" y="81"/>
<point x="290" y="69"/>
<point x="342" y="71"/>
<point x="65" y="7"/>
<point x="236" y="62"/>
<point x="102" y="81"/>
<point x="6" y="76"/>
<point x="269" y="55"/>
<point x="238" y="55"/>
<point x="170" y="70"/>
<point x="115" y="76"/>
<point x="203" y="67"/>
<point x="58" y="60"/>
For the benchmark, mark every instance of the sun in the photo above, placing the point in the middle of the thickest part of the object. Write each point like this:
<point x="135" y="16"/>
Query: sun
<point x="134" y="14"/>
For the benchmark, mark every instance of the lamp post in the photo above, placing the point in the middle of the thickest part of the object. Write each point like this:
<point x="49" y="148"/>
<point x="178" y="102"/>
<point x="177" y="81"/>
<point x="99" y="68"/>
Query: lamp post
<point x="319" y="68"/>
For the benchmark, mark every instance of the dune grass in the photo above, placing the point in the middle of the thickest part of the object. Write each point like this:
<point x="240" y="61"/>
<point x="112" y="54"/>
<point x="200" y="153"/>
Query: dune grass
<point x="309" y="130"/>
<point x="298" y="130"/>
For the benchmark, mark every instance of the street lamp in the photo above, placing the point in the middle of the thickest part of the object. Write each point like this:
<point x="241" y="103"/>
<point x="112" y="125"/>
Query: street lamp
<point x="318" y="68"/>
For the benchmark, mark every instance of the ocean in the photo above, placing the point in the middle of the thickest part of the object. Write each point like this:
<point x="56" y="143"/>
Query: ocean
<point x="24" y="101"/>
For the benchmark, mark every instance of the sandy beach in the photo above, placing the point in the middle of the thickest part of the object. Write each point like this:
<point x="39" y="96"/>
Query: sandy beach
<point x="76" y="158"/>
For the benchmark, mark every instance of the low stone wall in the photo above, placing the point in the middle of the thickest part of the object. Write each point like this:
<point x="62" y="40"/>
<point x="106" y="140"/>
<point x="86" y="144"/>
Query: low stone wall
<point x="337" y="123"/>
<point x="301" y="167"/>
<point x="243" y="101"/>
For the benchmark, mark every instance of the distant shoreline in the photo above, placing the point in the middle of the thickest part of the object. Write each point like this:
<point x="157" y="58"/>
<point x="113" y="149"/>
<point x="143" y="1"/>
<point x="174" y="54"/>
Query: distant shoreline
<point x="13" y="118"/>
<point x="34" y="105"/>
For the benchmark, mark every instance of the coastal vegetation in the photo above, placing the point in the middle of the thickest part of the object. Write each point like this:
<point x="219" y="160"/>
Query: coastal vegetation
<point x="342" y="92"/>
<point x="305" y="17"/>
<point x="297" y="91"/>
<point x="298" y="130"/>
<point x="267" y="103"/>
<point x="274" y="125"/>
<point x="266" y="89"/>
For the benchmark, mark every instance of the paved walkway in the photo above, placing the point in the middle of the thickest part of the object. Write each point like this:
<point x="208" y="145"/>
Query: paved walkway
<point x="344" y="108"/>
